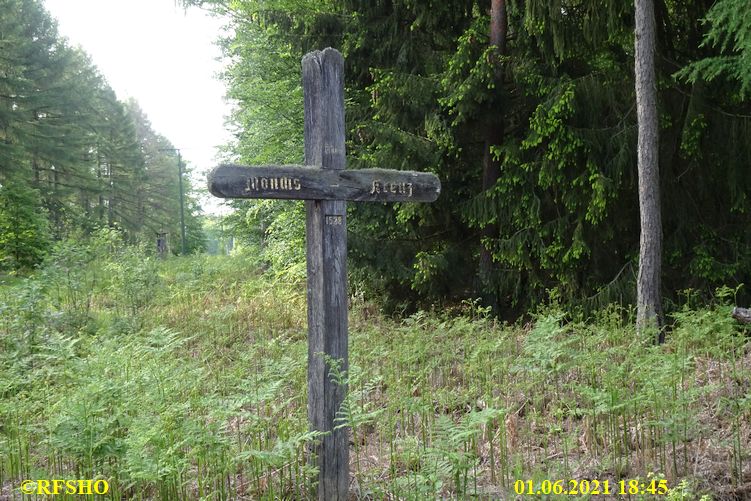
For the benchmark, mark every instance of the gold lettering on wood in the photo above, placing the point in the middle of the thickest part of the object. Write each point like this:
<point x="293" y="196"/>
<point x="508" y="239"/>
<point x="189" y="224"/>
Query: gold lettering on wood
<point x="272" y="184"/>
<point x="379" y="187"/>
<point x="335" y="220"/>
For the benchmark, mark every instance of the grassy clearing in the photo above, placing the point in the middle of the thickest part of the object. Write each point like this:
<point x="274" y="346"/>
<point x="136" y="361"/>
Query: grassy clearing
<point x="185" y="379"/>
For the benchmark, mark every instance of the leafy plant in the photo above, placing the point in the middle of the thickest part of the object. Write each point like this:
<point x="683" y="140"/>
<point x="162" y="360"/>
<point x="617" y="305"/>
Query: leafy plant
<point x="24" y="231"/>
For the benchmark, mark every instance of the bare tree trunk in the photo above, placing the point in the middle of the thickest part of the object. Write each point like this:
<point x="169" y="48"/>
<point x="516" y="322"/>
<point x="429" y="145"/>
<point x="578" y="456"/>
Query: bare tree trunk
<point x="111" y="196"/>
<point x="649" y="297"/>
<point x="100" y="184"/>
<point x="491" y="168"/>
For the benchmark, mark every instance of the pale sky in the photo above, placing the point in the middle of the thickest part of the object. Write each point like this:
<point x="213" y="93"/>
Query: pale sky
<point x="163" y="56"/>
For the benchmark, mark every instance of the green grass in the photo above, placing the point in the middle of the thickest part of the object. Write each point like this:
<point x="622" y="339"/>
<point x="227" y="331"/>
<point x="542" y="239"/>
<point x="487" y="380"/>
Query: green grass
<point x="185" y="379"/>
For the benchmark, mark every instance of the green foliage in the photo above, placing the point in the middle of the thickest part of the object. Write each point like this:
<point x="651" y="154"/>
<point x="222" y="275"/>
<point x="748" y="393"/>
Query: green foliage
<point x="24" y="232"/>
<point x="199" y="392"/>
<point x="685" y="490"/>
<point x="730" y="33"/>
<point x="134" y="279"/>
<point x="423" y="88"/>
<point x="264" y="77"/>
<point x="79" y="157"/>
<point x="284" y="244"/>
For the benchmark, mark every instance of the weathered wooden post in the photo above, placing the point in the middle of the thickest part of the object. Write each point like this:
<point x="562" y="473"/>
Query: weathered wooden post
<point x="326" y="233"/>
<point x="162" y="244"/>
<point x="325" y="185"/>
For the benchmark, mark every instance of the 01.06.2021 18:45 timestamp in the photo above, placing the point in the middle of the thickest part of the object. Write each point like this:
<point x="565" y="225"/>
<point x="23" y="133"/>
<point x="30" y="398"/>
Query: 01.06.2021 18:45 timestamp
<point x="592" y="487"/>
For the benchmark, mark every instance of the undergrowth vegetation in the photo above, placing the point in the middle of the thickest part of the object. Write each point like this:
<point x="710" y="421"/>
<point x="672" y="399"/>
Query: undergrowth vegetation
<point x="186" y="379"/>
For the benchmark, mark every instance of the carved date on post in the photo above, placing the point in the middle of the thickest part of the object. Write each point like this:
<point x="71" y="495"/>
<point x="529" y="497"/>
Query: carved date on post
<point x="335" y="220"/>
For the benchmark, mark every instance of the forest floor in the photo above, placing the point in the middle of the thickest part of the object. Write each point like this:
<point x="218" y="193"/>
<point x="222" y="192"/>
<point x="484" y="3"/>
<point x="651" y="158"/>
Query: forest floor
<point x="186" y="379"/>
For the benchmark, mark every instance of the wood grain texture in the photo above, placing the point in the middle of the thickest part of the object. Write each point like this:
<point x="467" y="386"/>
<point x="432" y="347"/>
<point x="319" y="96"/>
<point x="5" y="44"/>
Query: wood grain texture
<point x="326" y="233"/>
<point x="742" y="315"/>
<point x="297" y="182"/>
<point x="323" y="93"/>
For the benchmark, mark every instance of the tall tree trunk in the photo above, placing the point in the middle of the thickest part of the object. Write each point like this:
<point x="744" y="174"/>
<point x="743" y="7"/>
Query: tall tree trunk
<point x="111" y="180"/>
<point x="111" y="196"/>
<point x="37" y="177"/>
<point x="100" y="184"/>
<point x="491" y="168"/>
<point x="649" y="297"/>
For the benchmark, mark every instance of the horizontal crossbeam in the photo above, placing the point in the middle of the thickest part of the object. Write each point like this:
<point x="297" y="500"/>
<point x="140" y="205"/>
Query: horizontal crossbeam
<point x="297" y="182"/>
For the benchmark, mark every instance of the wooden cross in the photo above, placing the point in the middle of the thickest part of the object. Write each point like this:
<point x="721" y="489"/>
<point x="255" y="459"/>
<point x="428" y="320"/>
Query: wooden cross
<point x="325" y="186"/>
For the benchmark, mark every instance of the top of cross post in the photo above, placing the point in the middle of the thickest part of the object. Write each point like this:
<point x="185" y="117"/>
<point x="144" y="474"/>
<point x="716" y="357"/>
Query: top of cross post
<point x="323" y="91"/>
<point x="328" y="53"/>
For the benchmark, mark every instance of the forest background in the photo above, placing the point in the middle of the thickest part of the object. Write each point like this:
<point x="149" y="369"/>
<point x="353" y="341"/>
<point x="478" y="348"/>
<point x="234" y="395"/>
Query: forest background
<point x="549" y="115"/>
<point x="556" y="133"/>
<point x="185" y="377"/>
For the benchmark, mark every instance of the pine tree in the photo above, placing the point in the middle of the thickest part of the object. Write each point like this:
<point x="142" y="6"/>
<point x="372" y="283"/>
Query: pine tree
<point x="24" y="233"/>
